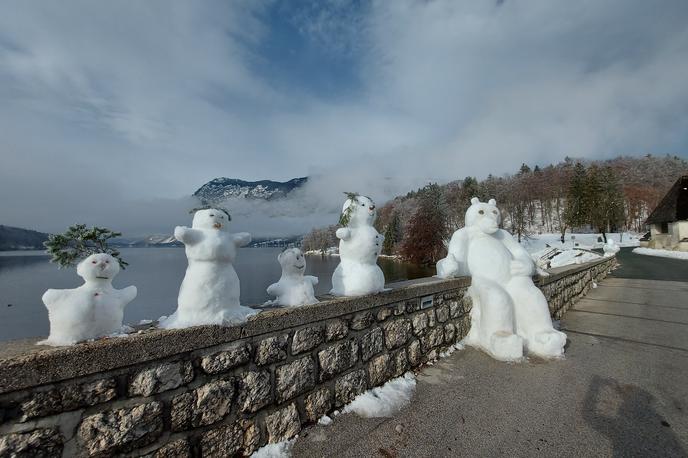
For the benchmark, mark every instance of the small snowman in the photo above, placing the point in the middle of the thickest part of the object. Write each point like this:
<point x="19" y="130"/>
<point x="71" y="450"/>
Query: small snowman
<point x="293" y="288"/>
<point x="359" y="247"/>
<point x="210" y="291"/>
<point x="610" y="248"/>
<point x="94" y="309"/>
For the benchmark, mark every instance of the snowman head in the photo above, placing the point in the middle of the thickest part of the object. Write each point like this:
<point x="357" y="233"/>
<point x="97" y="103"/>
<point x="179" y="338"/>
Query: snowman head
<point x="358" y="211"/>
<point x="293" y="261"/>
<point x="484" y="216"/>
<point x="211" y="218"/>
<point x="100" y="266"/>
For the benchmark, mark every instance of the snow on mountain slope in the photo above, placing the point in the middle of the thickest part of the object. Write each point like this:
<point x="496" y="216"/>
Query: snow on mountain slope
<point x="219" y="189"/>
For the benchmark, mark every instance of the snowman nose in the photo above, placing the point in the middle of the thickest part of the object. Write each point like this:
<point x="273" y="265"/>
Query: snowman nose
<point x="372" y="207"/>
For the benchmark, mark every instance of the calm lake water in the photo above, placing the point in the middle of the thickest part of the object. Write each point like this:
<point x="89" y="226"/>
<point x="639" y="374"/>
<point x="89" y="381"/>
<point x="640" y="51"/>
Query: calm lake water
<point x="157" y="273"/>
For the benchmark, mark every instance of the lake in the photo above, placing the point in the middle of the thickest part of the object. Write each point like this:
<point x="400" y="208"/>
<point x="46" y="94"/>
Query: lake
<point x="157" y="273"/>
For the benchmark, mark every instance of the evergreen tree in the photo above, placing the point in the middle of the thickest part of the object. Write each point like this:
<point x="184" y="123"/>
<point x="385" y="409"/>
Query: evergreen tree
<point x="576" y="211"/>
<point x="392" y="235"/>
<point x="427" y="230"/>
<point x="604" y="199"/>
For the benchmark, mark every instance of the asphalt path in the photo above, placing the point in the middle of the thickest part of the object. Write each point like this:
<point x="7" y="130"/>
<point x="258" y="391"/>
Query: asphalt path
<point x="621" y="390"/>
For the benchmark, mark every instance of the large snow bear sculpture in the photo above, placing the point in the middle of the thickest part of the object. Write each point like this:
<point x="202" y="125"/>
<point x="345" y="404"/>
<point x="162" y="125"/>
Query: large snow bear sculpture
<point x="510" y="314"/>
<point x="293" y="288"/>
<point x="359" y="246"/>
<point x="210" y="291"/>
<point x="94" y="309"/>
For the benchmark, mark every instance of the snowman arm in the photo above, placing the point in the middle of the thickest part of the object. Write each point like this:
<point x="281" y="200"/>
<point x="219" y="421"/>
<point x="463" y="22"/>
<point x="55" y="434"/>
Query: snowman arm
<point x="274" y="289"/>
<point x="187" y="236"/>
<point x="52" y="297"/>
<point x="312" y="279"/>
<point x="343" y="233"/>
<point x="242" y="238"/>
<point x="128" y="294"/>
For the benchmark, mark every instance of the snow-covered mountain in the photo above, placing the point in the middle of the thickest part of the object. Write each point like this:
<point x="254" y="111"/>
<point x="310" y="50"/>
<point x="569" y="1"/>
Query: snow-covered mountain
<point x="219" y="189"/>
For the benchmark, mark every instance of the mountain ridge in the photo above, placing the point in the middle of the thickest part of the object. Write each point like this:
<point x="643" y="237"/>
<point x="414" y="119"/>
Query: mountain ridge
<point x="222" y="188"/>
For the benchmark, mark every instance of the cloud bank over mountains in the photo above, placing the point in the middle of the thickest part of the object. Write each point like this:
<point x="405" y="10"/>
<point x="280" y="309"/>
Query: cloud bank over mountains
<point x="113" y="112"/>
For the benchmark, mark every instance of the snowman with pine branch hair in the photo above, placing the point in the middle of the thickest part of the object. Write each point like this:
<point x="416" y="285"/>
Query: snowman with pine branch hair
<point x="94" y="309"/>
<point x="359" y="247"/>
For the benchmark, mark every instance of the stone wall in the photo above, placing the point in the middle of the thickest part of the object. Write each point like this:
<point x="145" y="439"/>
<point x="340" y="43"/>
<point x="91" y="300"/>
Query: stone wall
<point x="218" y="391"/>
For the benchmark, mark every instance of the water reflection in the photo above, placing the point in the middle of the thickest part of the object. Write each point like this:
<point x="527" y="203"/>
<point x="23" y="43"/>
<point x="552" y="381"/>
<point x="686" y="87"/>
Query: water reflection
<point x="157" y="273"/>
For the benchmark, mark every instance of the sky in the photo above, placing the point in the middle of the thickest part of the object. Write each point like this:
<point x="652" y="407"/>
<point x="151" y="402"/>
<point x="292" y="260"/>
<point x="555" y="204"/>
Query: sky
<point x="113" y="113"/>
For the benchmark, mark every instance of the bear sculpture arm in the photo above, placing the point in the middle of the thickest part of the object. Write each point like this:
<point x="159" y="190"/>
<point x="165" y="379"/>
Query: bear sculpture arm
<point x="522" y="265"/>
<point x="343" y="233"/>
<point x="242" y="238"/>
<point x="454" y="265"/>
<point x="311" y="278"/>
<point x="187" y="236"/>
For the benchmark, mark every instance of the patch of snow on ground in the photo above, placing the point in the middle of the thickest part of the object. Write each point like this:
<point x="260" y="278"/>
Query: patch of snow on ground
<point x="539" y="242"/>
<point x="662" y="253"/>
<point x="569" y="257"/>
<point x="452" y="349"/>
<point x="385" y="400"/>
<point x="278" y="450"/>
<point x="145" y="321"/>
<point x="325" y="421"/>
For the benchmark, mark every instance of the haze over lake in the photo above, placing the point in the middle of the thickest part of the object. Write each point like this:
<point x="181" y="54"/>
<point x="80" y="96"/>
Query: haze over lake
<point x="157" y="273"/>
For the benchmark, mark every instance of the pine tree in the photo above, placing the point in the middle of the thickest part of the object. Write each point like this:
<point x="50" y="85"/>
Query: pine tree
<point x="576" y="213"/>
<point x="78" y="243"/>
<point x="427" y="230"/>
<point x="392" y="235"/>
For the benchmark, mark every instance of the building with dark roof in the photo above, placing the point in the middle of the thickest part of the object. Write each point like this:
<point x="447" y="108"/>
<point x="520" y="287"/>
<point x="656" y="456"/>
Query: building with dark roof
<point x="669" y="221"/>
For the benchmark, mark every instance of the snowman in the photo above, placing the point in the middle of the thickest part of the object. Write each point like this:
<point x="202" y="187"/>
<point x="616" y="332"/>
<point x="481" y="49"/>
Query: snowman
<point x="209" y="293"/>
<point x="359" y="246"/>
<point x="94" y="309"/>
<point x="293" y="288"/>
<point x="610" y="248"/>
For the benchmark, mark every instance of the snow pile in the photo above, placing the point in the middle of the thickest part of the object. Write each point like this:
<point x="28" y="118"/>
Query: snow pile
<point x="277" y="450"/>
<point x="568" y="257"/>
<point x="538" y="242"/>
<point x="510" y="314"/>
<point x="359" y="246"/>
<point x="610" y="248"/>
<point x="385" y="400"/>
<point x="662" y="253"/>
<point x="452" y="348"/>
<point x="210" y="290"/>
<point x="325" y="421"/>
<point x="94" y="309"/>
<point x="293" y="288"/>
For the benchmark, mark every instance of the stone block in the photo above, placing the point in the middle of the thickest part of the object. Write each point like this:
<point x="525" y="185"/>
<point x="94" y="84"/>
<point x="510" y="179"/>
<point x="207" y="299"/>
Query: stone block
<point x="283" y="424"/>
<point x="397" y="332"/>
<point x="347" y="387"/>
<point x="306" y="339"/>
<point x="294" y="378"/>
<point x="272" y="349"/>
<point x="222" y="361"/>
<point x="255" y="391"/>
<point x="335" y="330"/>
<point x="121" y="430"/>
<point x="337" y="358"/>
<point x="317" y="404"/>
<point x="163" y="377"/>
<point x="371" y="343"/>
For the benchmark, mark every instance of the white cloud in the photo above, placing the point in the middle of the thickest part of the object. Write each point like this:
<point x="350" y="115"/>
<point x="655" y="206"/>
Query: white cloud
<point x="109" y="107"/>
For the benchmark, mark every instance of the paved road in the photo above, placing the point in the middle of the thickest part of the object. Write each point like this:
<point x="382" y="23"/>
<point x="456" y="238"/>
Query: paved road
<point x="622" y="389"/>
<point x="650" y="267"/>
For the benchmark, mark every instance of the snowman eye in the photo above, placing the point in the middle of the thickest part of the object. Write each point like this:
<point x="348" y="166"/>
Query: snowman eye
<point x="93" y="262"/>
<point x="107" y="262"/>
<point x="212" y="214"/>
<point x="362" y="205"/>
<point x="494" y="211"/>
<point x="481" y="212"/>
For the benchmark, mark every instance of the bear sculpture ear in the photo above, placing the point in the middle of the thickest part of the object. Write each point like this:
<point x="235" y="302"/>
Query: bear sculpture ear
<point x="492" y="202"/>
<point x="475" y="200"/>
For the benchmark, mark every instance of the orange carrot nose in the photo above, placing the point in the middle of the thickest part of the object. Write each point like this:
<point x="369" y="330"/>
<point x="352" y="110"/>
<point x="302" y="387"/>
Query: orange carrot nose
<point x="217" y="225"/>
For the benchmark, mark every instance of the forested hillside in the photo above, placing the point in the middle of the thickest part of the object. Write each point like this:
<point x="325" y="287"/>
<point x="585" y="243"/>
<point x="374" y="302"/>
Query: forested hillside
<point x="602" y="196"/>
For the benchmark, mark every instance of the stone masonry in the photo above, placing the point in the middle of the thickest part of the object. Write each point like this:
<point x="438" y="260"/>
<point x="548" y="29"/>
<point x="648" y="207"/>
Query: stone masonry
<point x="213" y="391"/>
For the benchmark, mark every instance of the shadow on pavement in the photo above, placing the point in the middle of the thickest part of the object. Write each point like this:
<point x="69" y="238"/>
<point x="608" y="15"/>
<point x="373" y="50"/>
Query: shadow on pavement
<point x="625" y="414"/>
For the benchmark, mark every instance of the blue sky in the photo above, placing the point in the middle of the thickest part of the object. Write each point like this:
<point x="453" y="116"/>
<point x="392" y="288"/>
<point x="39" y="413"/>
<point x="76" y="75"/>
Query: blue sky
<point x="109" y="111"/>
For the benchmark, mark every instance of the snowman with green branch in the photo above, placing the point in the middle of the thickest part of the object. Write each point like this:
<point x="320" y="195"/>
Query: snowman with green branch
<point x="359" y="247"/>
<point x="94" y="309"/>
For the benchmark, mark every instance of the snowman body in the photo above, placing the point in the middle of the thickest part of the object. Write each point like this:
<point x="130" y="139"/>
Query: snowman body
<point x="359" y="247"/>
<point x="210" y="291"/>
<point x="94" y="309"/>
<point x="293" y="288"/>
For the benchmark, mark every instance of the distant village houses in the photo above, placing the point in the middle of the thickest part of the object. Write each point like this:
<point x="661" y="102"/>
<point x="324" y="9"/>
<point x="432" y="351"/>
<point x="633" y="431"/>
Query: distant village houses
<point x="669" y="221"/>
